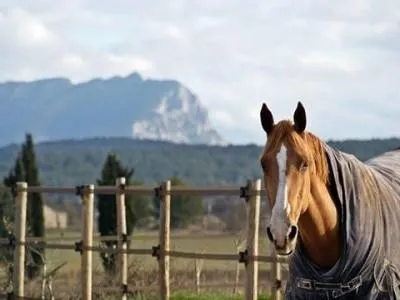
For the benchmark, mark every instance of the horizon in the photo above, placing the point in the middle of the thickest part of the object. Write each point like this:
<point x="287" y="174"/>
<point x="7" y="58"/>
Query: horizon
<point x="341" y="63"/>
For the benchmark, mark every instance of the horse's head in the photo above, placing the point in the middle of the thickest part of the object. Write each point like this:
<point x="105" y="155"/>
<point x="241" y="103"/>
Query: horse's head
<point x="288" y="165"/>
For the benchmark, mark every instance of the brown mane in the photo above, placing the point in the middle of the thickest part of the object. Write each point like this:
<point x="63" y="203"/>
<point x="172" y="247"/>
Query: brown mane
<point x="311" y="150"/>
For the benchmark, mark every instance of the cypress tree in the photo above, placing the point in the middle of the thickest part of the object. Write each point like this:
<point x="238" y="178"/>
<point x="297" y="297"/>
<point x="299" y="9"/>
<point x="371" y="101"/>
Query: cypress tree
<point x="35" y="216"/>
<point x="25" y="169"/>
<point x="107" y="212"/>
<point x="7" y="206"/>
<point x="16" y="174"/>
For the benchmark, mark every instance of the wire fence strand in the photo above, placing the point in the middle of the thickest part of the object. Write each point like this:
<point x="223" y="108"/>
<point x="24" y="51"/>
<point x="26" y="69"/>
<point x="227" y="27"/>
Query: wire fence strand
<point x="141" y="251"/>
<point x="87" y="243"/>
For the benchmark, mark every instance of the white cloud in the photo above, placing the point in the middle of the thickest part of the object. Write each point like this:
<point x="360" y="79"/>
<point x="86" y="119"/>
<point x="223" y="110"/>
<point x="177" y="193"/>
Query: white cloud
<point x="223" y="118"/>
<point x="20" y="27"/>
<point x="340" y="58"/>
<point x="127" y="63"/>
<point x="334" y="62"/>
<point x="174" y="32"/>
<point x="73" y="61"/>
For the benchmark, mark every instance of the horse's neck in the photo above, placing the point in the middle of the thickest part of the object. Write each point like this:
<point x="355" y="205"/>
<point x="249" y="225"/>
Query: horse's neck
<point x="319" y="227"/>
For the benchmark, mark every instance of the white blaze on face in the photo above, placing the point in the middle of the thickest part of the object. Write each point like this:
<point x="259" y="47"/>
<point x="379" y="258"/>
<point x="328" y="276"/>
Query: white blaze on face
<point x="279" y="217"/>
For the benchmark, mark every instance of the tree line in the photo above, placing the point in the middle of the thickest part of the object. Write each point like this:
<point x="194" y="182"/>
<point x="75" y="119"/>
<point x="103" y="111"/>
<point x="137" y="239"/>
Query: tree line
<point x="71" y="162"/>
<point x="140" y="210"/>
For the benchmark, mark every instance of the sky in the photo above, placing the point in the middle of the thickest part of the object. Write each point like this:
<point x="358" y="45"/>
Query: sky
<point x="340" y="58"/>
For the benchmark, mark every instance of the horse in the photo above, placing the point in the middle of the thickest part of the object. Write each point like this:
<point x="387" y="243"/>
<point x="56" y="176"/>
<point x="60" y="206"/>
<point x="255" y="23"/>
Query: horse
<point x="336" y="218"/>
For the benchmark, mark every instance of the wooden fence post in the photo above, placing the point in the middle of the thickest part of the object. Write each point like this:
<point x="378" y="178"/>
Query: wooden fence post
<point x="87" y="236"/>
<point x="198" y="266"/>
<point x="276" y="270"/>
<point x="238" y="245"/>
<point x="122" y="236"/>
<point x="165" y="215"/>
<point x="253" y="219"/>
<point x="20" y="234"/>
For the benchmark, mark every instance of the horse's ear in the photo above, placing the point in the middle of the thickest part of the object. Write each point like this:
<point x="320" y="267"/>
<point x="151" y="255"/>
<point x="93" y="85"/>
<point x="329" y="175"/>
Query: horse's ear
<point x="267" y="120"/>
<point x="299" y="117"/>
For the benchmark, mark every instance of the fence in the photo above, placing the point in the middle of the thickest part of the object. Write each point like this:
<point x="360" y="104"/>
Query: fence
<point x="251" y="193"/>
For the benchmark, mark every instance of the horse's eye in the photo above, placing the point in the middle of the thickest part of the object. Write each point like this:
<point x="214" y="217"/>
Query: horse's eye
<point x="303" y="165"/>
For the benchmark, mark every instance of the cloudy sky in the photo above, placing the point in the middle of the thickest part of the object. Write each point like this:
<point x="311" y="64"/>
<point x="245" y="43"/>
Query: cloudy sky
<point x="340" y="58"/>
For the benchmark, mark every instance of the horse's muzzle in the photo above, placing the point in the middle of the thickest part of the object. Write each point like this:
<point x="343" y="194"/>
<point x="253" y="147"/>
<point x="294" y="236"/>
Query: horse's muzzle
<point x="285" y="245"/>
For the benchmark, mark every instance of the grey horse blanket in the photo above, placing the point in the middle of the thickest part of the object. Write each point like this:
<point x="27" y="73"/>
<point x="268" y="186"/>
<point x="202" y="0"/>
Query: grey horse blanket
<point x="367" y="195"/>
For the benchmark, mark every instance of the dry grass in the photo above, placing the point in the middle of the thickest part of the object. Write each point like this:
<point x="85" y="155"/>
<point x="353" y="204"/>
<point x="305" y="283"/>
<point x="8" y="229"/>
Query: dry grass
<point x="182" y="241"/>
<point x="143" y="283"/>
<point x="143" y="270"/>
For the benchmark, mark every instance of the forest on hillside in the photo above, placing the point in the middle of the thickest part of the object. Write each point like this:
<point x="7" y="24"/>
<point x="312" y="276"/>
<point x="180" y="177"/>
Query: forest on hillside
<point x="73" y="162"/>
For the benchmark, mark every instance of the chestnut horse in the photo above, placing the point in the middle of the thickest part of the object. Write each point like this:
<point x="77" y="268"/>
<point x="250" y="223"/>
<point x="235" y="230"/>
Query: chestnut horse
<point x="336" y="217"/>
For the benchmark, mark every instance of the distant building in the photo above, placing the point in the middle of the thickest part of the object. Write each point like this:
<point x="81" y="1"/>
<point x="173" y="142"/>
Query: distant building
<point x="54" y="218"/>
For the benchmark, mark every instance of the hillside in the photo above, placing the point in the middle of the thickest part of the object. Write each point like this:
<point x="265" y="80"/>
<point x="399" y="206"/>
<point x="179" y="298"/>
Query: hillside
<point x="56" y="108"/>
<point x="71" y="162"/>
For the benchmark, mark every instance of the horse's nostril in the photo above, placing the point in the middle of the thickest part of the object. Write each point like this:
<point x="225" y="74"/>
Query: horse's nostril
<point x="269" y="234"/>
<point x="292" y="232"/>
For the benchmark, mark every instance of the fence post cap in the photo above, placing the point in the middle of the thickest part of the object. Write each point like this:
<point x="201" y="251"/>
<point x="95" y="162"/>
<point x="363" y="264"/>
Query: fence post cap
<point x="121" y="180"/>
<point x="166" y="184"/>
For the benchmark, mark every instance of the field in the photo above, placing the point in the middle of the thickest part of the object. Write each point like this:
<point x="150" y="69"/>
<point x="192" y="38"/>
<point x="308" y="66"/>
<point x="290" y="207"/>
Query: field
<point x="182" y="241"/>
<point x="217" y="277"/>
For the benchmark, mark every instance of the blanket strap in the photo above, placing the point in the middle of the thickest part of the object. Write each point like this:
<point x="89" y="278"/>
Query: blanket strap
<point x="336" y="289"/>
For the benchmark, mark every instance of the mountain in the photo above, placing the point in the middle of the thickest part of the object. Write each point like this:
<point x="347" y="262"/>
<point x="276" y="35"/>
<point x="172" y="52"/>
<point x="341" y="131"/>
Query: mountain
<point x="54" y="109"/>
<point x="74" y="162"/>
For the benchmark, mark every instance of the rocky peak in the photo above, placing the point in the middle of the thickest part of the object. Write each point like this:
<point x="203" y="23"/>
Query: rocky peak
<point x="55" y="108"/>
<point x="179" y="117"/>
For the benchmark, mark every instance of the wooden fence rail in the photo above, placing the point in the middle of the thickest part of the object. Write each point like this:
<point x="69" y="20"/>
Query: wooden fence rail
<point x="250" y="257"/>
